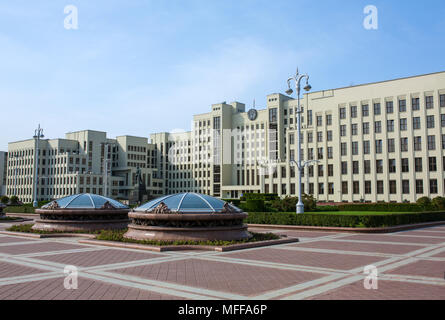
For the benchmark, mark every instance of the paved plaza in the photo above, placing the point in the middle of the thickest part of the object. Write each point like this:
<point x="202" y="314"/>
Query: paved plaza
<point x="322" y="266"/>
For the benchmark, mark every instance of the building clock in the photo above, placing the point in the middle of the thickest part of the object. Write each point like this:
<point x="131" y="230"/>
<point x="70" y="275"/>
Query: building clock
<point x="252" y="114"/>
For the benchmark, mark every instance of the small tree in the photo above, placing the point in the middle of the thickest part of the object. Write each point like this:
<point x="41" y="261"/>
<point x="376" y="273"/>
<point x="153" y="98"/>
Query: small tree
<point x="424" y="203"/>
<point x="438" y="203"/>
<point x="14" y="200"/>
<point x="4" y="199"/>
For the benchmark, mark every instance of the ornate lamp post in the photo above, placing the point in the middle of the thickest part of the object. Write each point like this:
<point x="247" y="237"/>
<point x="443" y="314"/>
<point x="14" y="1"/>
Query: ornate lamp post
<point x="37" y="136"/>
<point x="297" y="78"/>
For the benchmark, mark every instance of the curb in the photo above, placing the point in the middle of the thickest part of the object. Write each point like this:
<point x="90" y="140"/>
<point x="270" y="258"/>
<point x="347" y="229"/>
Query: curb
<point x="47" y="236"/>
<point x="350" y="230"/>
<point x="190" y="247"/>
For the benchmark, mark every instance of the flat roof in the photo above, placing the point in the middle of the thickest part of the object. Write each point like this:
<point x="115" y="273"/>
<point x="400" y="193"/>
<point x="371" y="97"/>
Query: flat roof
<point x="377" y="82"/>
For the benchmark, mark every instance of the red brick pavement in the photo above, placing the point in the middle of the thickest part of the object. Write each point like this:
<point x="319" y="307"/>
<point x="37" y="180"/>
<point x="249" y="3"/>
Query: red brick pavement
<point x="99" y="257"/>
<point x="12" y="270"/>
<point x="38" y="246"/>
<point x="53" y="289"/>
<point x="387" y="290"/>
<point x="313" y="259"/>
<point x="359" y="247"/>
<point x="426" y="268"/>
<point x="226" y="277"/>
<point x="13" y="239"/>
<point x="394" y="238"/>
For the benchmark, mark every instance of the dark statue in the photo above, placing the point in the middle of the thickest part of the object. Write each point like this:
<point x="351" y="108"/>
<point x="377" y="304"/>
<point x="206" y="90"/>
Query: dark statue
<point x="141" y="189"/>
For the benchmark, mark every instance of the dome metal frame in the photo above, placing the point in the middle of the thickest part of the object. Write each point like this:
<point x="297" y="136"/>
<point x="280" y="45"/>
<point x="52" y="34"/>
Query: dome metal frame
<point x="207" y="209"/>
<point x="66" y="206"/>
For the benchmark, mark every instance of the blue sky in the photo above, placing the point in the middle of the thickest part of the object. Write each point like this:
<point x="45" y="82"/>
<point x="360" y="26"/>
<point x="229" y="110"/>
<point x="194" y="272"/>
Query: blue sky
<point x="137" y="67"/>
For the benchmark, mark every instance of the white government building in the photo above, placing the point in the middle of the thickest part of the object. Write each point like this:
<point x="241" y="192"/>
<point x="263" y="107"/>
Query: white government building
<point x="381" y="141"/>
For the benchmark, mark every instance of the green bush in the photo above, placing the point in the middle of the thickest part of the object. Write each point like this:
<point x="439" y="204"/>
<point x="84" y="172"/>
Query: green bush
<point x="4" y="199"/>
<point x="381" y="207"/>
<point x="350" y="221"/>
<point x="424" y="203"/>
<point x="254" y="205"/>
<point x="438" y="203"/>
<point x="288" y="204"/>
<point x="260" y="196"/>
<point x="19" y="209"/>
<point x="14" y="200"/>
<point x="327" y="209"/>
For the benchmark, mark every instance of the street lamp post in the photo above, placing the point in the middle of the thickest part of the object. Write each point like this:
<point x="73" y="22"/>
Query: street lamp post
<point x="297" y="78"/>
<point x="37" y="136"/>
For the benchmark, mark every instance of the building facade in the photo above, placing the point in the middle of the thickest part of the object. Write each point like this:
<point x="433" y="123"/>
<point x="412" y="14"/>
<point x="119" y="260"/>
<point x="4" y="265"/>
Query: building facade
<point x="381" y="141"/>
<point x="84" y="162"/>
<point x="3" y="172"/>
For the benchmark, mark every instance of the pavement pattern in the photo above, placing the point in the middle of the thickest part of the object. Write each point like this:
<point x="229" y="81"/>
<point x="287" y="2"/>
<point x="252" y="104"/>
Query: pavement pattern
<point x="322" y="266"/>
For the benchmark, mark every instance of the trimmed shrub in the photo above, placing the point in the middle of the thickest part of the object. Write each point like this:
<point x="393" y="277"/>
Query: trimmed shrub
<point x="260" y="196"/>
<point x="381" y="207"/>
<point x="19" y="209"/>
<point x="254" y="205"/>
<point x="349" y="221"/>
<point x="438" y="203"/>
<point x="288" y="204"/>
<point x="424" y="203"/>
<point x="14" y="200"/>
<point x="4" y="199"/>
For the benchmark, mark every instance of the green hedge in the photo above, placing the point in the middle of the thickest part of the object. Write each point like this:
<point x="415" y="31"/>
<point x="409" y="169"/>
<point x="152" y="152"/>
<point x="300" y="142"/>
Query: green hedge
<point x="350" y="221"/>
<point x="260" y="196"/>
<point x="19" y="209"/>
<point x="382" y="207"/>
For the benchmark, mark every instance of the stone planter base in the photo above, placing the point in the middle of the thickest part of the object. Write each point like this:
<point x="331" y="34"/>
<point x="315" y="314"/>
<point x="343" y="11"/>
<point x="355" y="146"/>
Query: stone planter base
<point x="75" y="226"/>
<point x="136" y="232"/>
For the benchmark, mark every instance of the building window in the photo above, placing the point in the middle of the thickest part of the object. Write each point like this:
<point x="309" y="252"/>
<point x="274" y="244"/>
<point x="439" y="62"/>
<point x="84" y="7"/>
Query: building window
<point x="344" y="187"/>
<point x="443" y="141"/>
<point x="331" y="188"/>
<point x="442" y="100"/>
<point x="366" y="147"/>
<point x="310" y="137"/>
<point x="366" y="128"/>
<point x="416" y="123"/>
<point x="389" y="107"/>
<point x="320" y="136"/>
<point x="365" y="110"/>
<point x="355" y="167"/>
<point x="309" y="117"/>
<point x="392" y="187"/>
<point x="321" y="188"/>
<point x="390" y="125"/>
<point x="354" y="129"/>
<point x="391" y="145"/>
<point x="329" y="136"/>
<point x="355" y="148"/>
<point x="432" y="164"/>
<point x="419" y="186"/>
<point x="377" y="109"/>
<point x="344" y="168"/>
<point x="380" y="189"/>
<point x="404" y="144"/>
<point x="379" y="166"/>
<point x="320" y="154"/>
<point x="356" y="187"/>
<point x="319" y="121"/>
<point x="402" y="105"/>
<point x="330" y="170"/>
<point x="405" y="165"/>
<point x="343" y="130"/>
<point x="442" y="120"/>
<point x="431" y="142"/>
<point x="354" y="112"/>
<point x="329" y="120"/>
<point x="415" y="104"/>
<point x="430" y="122"/>
<point x="378" y="146"/>
<point x="417" y="143"/>
<point x="403" y="125"/>
<point x="405" y="186"/>
<point x="433" y="186"/>
<point x="330" y="153"/>
<point x="344" y="149"/>
<point x="429" y="102"/>
<point x="368" y="187"/>
<point x="342" y="113"/>
<point x="418" y="164"/>
<point x="392" y="165"/>
<point x="367" y="166"/>
<point x="378" y="127"/>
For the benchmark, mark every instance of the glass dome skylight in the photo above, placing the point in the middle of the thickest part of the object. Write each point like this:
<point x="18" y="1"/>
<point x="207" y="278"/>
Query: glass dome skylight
<point x="85" y="201"/>
<point x="187" y="203"/>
